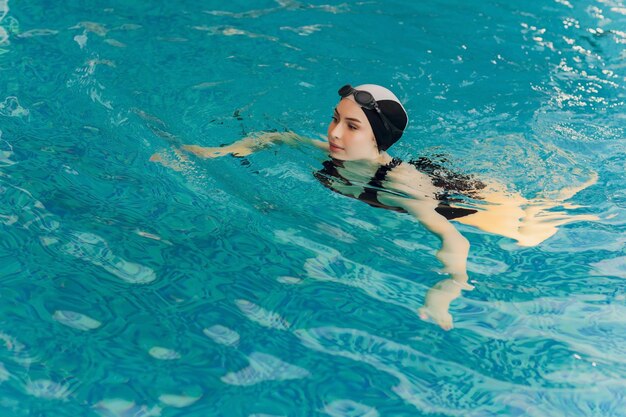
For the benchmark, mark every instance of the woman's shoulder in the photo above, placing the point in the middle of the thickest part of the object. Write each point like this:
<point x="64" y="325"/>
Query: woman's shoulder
<point x="406" y="178"/>
<point x="417" y="172"/>
<point x="399" y="169"/>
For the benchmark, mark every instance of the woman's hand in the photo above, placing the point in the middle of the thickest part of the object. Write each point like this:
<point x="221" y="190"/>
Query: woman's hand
<point x="438" y="299"/>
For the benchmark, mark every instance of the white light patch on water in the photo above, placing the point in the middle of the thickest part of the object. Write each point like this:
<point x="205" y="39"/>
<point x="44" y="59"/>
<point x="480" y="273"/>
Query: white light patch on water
<point x="349" y="408"/>
<point x="76" y="320"/>
<point x="262" y="316"/>
<point x="584" y="239"/>
<point x="222" y="335"/>
<point x="44" y="388"/>
<point x="11" y="106"/>
<point x="6" y="152"/>
<point x="69" y="170"/>
<point x="264" y="367"/>
<point x="4" y="9"/>
<point x="129" y="26"/>
<point x="177" y="401"/>
<point x="115" y="43"/>
<point x="116" y="407"/>
<point x="4" y="374"/>
<point x="412" y="246"/>
<point x="94" y="249"/>
<point x="92" y="27"/>
<point x="305" y="30"/>
<point x="81" y="40"/>
<point x="96" y="97"/>
<point x="147" y="235"/>
<point x="565" y="3"/>
<point x="10" y="343"/>
<point x="163" y="354"/>
<point x="486" y="266"/>
<point x="360" y="224"/>
<point x="387" y="288"/>
<point x="289" y="280"/>
<point x="615" y="267"/>
<point x="37" y="32"/>
<point x="48" y="240"/>
<point x="265" y="415"/>
<point x="290" y="237"/>
<point x="8" y="220"/>
<point x="335" y="233"/>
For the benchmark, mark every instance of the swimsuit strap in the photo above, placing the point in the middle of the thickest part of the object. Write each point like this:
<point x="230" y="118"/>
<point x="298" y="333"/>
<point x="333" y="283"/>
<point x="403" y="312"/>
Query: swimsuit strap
<point x="370" y="193"/>
<point x="381" y="173"/>
<point x="330" y="171"/>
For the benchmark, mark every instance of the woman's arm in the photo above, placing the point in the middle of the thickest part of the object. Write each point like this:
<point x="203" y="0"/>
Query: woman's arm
<point x="528" y="221"/>
<point x="454" y="246"/>
<point x="421" y="203"/>
<point x="251" y="144"/>
<point x="452" y="254"/>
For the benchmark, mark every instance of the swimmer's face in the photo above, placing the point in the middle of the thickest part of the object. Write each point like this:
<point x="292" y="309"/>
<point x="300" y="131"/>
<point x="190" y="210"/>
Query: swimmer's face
<point x="350" y="134"/>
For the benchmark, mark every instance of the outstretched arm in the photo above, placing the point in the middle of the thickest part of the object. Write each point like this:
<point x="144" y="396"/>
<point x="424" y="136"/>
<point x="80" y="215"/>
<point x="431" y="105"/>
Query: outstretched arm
<point x="253" y="143"/>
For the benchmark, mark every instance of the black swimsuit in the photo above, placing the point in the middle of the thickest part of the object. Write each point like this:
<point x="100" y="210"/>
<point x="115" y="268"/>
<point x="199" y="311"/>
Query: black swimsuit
<point x="369" y="195"/>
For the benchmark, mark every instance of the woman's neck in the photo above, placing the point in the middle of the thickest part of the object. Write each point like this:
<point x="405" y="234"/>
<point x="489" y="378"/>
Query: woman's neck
<point x="365" y="168"/>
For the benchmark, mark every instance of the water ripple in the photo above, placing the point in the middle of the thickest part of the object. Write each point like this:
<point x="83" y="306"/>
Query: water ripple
<point x="349" y="408"/>
<point x="388" y="288"/>
<point x="6" y="152"/>
<point x="588" y="327"/>
<point x="22" y="209"/>
<point x="94" y="249"/>
<point x="428" y="383"/>
<point x="4" y="374"/>
<point x="615" y="267"/>
<point x="530" y="94"/>
<point x="44" y="388"/>
<point x="37" y="32"/>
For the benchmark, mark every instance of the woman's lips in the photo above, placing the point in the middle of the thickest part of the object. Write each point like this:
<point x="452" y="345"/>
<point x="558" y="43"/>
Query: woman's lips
<point x="334" y="147"/>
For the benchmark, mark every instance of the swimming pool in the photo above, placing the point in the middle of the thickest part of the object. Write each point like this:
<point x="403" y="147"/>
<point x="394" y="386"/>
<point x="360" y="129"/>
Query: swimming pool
<point x="243" y="287"/>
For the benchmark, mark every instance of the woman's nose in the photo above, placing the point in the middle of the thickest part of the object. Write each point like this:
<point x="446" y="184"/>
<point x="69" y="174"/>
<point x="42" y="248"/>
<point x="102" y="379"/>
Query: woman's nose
<point x="335" y="132"/>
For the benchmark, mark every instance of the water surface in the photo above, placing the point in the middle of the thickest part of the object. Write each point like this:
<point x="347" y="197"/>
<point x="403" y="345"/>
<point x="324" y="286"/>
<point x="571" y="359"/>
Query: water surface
<point x="243" y="287"/>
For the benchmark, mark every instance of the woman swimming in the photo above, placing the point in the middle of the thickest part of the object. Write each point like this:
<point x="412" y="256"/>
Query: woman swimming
<point x="368" y="120"/>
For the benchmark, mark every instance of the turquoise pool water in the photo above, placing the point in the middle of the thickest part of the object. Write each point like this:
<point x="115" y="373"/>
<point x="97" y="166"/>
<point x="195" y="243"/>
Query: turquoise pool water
<point x="243" y="287"/>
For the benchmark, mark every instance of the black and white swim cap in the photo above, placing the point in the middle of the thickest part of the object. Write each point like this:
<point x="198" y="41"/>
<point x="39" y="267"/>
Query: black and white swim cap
<point x="393" y="110"/>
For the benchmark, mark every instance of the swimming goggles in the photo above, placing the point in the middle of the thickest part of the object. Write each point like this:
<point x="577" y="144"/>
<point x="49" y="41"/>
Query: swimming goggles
<point x="366" y="99"/>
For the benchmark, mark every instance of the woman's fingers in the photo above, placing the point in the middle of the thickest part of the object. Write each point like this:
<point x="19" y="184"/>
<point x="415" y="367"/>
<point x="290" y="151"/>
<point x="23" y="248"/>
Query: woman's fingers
<point x="442" y="318"/>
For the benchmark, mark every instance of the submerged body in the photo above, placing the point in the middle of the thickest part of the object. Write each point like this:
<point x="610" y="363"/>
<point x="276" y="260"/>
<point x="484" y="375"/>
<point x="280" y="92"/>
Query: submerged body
<point x="361" y="168"/>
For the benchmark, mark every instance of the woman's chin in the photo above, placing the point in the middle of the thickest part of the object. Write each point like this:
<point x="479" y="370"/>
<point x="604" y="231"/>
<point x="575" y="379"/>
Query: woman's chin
<point x="337" y="153"/>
